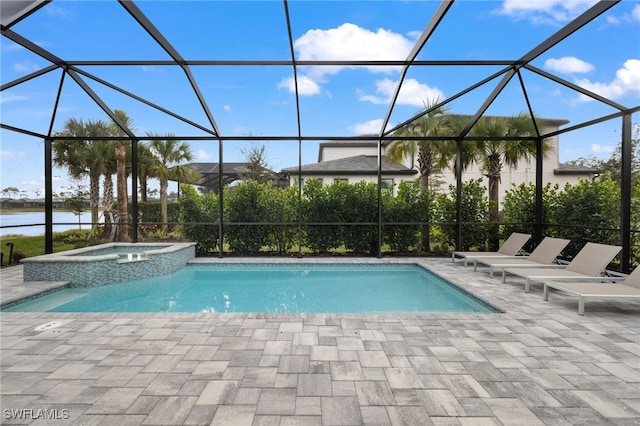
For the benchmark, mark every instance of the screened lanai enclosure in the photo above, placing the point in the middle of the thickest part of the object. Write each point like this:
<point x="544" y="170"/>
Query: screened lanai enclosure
<point x="367" y="105"/>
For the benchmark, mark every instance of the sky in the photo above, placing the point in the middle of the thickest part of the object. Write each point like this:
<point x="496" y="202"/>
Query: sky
<point x="603" y="57"/>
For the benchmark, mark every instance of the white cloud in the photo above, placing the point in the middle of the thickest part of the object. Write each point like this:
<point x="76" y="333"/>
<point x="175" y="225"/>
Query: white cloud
<point x="202" y="155"/>
<point x="545" y="11"/>
<point x="371" y="127"/>
<point x="12" y="154"/>
<point x="12" y="98"/>
<point x="627" y="82"/>
<point x="306" y="86"/>
<point x="568" y="65"/>
<point x="59" y="12"/>
<point x="351" y="42"/>
<point x="635" y="13"/>
<point x="600" y="149"/>
<point x="613" y="20"/>
<point x="152" y="68"/>
<point x="412" y="93"/>
<point x="227" y="108"/>
<point x="26" y="66"/>
<point x="347" y="42"/>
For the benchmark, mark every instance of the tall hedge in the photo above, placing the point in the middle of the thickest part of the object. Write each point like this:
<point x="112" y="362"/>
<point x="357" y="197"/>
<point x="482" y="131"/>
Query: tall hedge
<point x="584" y="210"/>
<point x="519" y="210"/>
<point x="267" y="218"/>
<point x="322" y="204"/>
<point x="149" y="212"/>
<point x="248" y="202"/>
<point x="475" y="215"/>
<point x="282" y="209"/>
<point x="353" y="208"/>
<point x="360" y="206"/>
<point x="199" y="215"/>
<point x="409" y="205"/>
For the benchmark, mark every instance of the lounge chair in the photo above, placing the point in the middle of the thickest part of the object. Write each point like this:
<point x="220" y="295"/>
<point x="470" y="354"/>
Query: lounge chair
<point x="510" y="247"/>
<point x="542" y="256"/>
<point x="587" y="265"/>
<point x="627" y="289"/>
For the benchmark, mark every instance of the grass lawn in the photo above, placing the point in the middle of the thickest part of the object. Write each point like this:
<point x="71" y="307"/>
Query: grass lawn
<point x="30" y="210"/>
<point x="32" y="246"/>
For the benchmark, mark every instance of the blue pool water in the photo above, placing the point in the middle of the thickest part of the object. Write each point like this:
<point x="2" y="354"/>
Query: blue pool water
<point x="269" y="288"/>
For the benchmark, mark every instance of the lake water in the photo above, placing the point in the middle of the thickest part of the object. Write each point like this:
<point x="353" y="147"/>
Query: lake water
<point x="13" y="220"/>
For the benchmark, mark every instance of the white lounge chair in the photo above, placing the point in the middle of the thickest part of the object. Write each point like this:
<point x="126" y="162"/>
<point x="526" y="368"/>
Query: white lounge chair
<point x="510" y="247"/>
<point x="627" y="289"/>
<point x="541" y="257"/>
<point x="587" y="265"/>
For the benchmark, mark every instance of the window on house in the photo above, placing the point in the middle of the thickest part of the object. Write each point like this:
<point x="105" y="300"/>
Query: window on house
<point x="386" y="184"/>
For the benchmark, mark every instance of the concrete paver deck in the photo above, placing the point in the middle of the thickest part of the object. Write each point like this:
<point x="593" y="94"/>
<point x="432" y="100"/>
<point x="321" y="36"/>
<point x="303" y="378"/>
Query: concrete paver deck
<point x="536" y="363"/>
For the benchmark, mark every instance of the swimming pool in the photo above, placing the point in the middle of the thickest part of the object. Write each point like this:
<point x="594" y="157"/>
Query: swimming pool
<point x="290" y="288"/>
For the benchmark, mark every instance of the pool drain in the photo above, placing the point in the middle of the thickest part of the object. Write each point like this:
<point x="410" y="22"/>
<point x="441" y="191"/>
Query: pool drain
<point x="48" y="326"/>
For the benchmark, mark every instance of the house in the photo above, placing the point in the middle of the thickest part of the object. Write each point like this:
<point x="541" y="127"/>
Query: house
<point x="210" y="174"/>
<point x="352" y="169"/>
<point x="356" y="160"/>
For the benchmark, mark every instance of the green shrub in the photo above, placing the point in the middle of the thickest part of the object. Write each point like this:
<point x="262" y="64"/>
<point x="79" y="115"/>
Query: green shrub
<point x="359" y="206"/>
<point x="409" y="205"/>
<point x="199" y="215"/>
<point x="17" y="256"/>
<point x="475" y="215"/>
<point x="246" y="204"/>
<point x="282" y="207"/>
<point x="349" y="207"/>
<point x="584" y="209"/>
<point x="320" y="206"/>
<point x="150" y="211"/>
<point x="519" y="210"/>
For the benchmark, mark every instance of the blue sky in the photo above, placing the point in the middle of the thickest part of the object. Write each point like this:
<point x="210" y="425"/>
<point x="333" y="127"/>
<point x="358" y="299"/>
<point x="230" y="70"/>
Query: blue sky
<point x="604" y="57"/>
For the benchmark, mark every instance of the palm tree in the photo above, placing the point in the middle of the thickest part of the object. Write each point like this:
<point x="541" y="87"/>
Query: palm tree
<point x="169" y="154"/>
<point x="145" y="162"/>
<point x="431" y="155"/>
<point x="494" y="153"/>
<point x="101" y="158"/>
<point x="121" y="174"/>
<point x="72" y="154"/>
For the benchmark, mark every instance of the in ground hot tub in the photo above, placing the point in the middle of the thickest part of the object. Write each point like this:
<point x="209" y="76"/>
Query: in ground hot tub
<point x="109" y="263"/>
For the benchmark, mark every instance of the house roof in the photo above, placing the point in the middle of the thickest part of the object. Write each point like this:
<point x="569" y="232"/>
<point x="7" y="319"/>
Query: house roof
<point x="571" y="169"/>
<point x="227" y="168"/>
<point x="210" y="173"/>
<point x="357" y="165"/>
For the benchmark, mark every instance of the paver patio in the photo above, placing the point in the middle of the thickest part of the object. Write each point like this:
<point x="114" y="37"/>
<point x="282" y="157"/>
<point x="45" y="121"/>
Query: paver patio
<point x="536" y="363"/>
